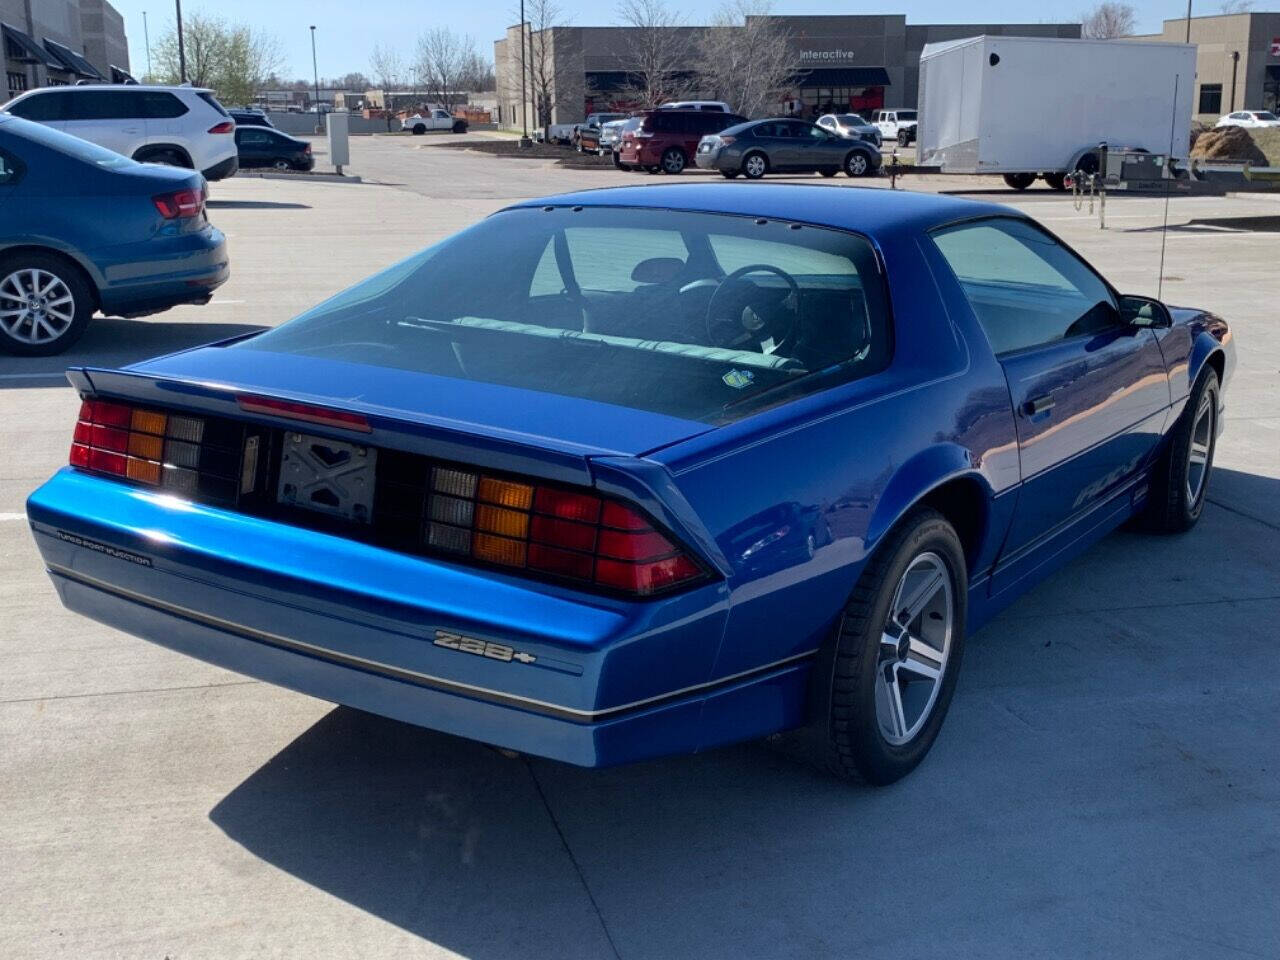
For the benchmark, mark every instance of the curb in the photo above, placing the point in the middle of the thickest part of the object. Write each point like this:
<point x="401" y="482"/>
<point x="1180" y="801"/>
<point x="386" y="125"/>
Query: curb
<point x="301" y="177"/>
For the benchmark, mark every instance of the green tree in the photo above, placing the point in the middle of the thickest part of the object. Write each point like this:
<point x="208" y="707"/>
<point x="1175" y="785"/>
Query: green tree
<point x="232" y="59"/>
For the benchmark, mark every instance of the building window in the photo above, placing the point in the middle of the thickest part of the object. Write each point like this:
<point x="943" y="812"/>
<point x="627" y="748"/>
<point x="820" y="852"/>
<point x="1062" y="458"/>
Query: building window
<point x="17" y="82"/>
<point x="1271" y="89"/>
<point x="1210" y="98"/>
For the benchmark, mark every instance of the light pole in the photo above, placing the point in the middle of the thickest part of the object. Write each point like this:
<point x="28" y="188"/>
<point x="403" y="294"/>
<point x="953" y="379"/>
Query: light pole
<point x="524" y="97"/>
<point x="182" y="50"/>
<point x="146" y="38"/>
<point x="315" y="71"/>
<point x="1188" y="21"/>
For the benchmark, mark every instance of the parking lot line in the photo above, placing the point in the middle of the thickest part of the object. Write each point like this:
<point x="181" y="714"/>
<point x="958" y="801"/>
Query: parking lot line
<point x="12" y="516"/>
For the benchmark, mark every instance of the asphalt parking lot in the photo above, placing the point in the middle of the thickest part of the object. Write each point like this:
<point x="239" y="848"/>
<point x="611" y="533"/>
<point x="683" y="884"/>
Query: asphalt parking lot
<point x="1107" y="783"/>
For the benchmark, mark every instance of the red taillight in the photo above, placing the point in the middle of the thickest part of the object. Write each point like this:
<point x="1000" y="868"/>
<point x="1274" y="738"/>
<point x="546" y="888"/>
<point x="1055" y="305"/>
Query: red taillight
<point x="174" y="451"/>
<point x="226" y="126"/>
<point x="180" y="204"/>
<point x="552" y="530"/>
<point x="306" y="148"/>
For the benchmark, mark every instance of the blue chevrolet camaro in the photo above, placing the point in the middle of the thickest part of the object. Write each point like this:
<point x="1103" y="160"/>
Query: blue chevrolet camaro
<point x="644" y="471"/>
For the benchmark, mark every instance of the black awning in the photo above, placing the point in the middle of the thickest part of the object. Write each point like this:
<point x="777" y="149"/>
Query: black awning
<point x="31" y="51"/>
<point x="841" y="77"/>
<point x="120" y="75"/>
<point x="72" y="61"/>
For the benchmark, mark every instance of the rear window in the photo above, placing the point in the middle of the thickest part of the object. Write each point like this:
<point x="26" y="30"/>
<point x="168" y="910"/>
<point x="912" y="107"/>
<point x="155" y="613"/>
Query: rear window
<point x="695" y="315"/>
<point x="212" y="101"/>
<point x="906" y="114"/>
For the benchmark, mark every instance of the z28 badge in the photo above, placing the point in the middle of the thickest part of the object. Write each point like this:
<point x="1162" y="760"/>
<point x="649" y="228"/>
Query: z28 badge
<point x="481" y="648"/>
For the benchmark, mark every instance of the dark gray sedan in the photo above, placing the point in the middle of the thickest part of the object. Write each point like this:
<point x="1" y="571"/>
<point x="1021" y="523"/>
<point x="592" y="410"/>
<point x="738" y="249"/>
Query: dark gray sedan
<point x="785" y="146"/>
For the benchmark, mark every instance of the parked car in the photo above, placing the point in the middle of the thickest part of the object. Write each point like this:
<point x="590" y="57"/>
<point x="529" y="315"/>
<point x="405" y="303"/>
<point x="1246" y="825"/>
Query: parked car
<point x="1249" y="118"/>
<point x="850" y="125"/>
<point x="84" y="229"/>
<point x="666" y="140"/>
<point x="719" y="105"/>
<point x="177" y="126"/>
<point x="758" y="147"/>
<point x="939" y="400"/>
<point x="591" y="125"/>
<point x="611" y="135"/>
<point x="897" y="124"/>
<point x="434" y="119"/>
<point x="559" y="132"/>
<point x="250" y="118"/>
<point x="261" y="147"/>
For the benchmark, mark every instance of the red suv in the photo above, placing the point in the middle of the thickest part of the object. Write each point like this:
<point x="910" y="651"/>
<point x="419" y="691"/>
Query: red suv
<point x="667" y="140"/>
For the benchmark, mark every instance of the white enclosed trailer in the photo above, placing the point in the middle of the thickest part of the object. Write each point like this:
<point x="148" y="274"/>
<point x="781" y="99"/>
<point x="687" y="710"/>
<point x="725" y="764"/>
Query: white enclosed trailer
<point x="1028" y="106"/>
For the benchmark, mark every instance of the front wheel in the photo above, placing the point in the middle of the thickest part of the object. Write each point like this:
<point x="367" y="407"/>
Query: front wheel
<point x="897" y="652"/>
<point x="459" y="127"/>
<point x="857" y="164"/>
<point x="45" y="305"/>
<point x="1180" y="481"/>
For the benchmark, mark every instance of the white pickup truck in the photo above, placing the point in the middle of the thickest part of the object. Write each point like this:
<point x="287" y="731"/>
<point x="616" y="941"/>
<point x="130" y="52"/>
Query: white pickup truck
<point x="436" y="118"/>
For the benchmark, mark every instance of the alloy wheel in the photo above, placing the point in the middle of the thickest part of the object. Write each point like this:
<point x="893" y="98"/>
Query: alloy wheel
<point x="755" y="166"/>
<point x="857" y="165"/>
<point x="281" y="164"/>
<point x="673" y="161"/>
<point x="914" y="648"/>
<point x="1200" y="448"/>
<point x="35" y="306"/>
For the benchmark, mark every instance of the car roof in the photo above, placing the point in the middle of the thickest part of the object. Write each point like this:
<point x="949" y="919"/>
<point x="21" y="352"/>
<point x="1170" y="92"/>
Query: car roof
<point x="120" y="86"/>
<point x="870" y="210"/>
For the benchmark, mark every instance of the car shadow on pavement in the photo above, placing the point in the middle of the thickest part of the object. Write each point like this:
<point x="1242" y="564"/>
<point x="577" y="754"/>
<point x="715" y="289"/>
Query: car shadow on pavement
<point x="1098" y="789"/>
<point x="114" y="342"/>
<point x="255" y="205"/>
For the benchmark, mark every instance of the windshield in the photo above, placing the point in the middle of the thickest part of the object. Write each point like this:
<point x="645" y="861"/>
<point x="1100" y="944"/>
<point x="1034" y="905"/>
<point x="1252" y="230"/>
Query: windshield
<point x="695" y="315"/>
<point x="66" y="144"/>
<point x="850" y="120"/>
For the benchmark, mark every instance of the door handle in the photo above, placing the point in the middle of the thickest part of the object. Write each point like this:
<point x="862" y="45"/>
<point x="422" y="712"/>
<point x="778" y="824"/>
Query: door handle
<point x="1038" y="405"/>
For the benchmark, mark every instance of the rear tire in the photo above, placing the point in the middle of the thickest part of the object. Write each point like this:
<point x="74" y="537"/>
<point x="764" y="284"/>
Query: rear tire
<point x="829" y="172"/>
<point x="45" y="304"/>
<point x="619" y="164"/>
<point x="755" y="165"/>
<point x="1180" y="480"/>
<point x="1056" y="181"/>
<point x="419" y="129"/>
<point x="729" y="174"/>
<point x="1019" y="181"/>
<point x="166" y="158"/>
<point x="885" y="709"/>
<point x="673" y="161"/>
<point x="282" y="165"/>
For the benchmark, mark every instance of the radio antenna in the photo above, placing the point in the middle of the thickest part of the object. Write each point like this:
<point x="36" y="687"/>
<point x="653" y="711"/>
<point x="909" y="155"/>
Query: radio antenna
<point x="1168" y="188"/>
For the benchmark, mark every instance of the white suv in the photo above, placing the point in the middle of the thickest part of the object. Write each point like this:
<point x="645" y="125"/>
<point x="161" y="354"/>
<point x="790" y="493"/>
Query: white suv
<point x="179" y="126"/>
<point x="896" y="124"/>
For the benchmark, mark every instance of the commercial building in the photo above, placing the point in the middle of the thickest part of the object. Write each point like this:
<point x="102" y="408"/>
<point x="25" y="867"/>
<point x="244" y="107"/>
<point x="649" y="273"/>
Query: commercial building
<point x="1237" y="61"/>
<point x="51" y="42"/>
<point x="851" y="62"/>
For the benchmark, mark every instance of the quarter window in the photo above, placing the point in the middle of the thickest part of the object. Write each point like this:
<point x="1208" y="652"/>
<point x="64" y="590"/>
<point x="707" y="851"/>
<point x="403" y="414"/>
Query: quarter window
<point x="1025" y="287"/>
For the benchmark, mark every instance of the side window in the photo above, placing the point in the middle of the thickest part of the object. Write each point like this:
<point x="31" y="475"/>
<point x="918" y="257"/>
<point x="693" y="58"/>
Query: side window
<point x="816" y="133"/>
<point x="41" y="108"/>
<point x="1025" y="288"/>
<point x="101" y="105"/>
<point x="158" y="105"/>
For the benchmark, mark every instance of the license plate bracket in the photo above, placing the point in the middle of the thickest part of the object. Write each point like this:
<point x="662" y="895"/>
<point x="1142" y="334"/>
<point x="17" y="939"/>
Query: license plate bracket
<point x="329" y="476"/>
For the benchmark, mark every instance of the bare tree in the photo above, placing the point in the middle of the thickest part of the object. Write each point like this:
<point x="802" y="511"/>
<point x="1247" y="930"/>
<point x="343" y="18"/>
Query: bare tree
<point x="658" y="52"/>
<point x="744" y="57"/>
<point x="1108" y="20"/>
<point x="1236" y="6"/>
<point x="547" y="73"/>
<point x="444" y="59"/>
<point x="388" y="72"/>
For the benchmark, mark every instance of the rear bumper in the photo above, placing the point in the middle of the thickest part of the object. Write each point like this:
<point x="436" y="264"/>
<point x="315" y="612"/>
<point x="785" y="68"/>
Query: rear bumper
<point x="607" y="682"/>
<point x="162" y="272"/>
<point x="223" y="169"/>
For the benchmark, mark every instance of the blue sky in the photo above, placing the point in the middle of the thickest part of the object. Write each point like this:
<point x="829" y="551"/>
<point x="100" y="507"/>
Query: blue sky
<point x="346" y="32"/>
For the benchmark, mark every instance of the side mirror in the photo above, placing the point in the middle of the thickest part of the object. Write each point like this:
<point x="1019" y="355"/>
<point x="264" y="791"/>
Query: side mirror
<point x="1144" y="312"/>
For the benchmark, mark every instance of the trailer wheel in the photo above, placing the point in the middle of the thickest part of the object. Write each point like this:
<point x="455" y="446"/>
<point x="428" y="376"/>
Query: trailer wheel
<point x="1019" y="181"/>
<point x="1057" y="181"/>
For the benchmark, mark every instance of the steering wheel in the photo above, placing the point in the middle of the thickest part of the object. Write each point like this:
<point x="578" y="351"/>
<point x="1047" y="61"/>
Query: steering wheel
<point x="736" y="324"/>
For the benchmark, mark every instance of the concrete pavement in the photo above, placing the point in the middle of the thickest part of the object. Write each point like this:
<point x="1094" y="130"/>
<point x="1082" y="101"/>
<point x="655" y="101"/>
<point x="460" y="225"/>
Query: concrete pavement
<point x="1107" y="783"/>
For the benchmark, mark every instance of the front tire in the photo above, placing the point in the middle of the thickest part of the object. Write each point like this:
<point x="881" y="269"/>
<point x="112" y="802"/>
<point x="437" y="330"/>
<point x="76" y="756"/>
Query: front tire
<point x="1180" y="481"/>
<point x="897" y="652"/>
<point x="45" y="304"/>
<point x="857" y="164"/>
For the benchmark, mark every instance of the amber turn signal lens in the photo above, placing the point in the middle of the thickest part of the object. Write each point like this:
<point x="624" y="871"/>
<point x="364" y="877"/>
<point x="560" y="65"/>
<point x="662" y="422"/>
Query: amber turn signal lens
<point x="505" y="493"/>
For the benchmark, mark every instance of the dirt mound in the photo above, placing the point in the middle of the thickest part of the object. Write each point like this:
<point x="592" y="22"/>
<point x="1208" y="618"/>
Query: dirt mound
<point x="1198" y="129"/>
<point x="1228" y="143"/>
